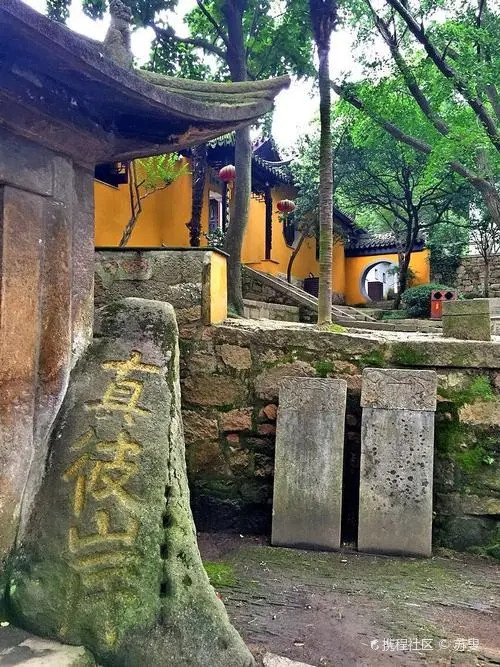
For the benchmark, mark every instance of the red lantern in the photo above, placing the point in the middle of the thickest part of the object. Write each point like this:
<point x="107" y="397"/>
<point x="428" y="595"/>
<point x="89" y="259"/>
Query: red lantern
<point x="286" y="206"/>
<point x="227" y="173"/>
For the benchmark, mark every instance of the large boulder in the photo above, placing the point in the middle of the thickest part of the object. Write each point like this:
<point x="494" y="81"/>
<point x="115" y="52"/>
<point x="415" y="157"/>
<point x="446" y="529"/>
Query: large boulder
<point x="110" y="558"/>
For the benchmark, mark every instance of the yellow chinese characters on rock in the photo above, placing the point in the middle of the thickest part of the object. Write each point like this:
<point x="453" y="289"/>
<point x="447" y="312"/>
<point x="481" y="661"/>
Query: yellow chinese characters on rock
<point x="123" y="393"/>
<point x="102" y="475"/>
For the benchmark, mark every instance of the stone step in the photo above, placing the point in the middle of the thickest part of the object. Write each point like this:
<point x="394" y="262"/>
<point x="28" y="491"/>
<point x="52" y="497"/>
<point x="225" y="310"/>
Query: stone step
<point x="303" y="298"/>
<point x="422" y="326"/>
<point x="258" y="310"/>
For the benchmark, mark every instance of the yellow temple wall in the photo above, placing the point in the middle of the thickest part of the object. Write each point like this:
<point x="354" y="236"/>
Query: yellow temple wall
<point x="356" y="266"/>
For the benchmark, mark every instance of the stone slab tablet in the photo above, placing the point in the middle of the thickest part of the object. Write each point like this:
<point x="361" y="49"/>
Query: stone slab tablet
<point x="309" y="457"/>
<point x="397" y="450"/>
<point x="398" y="389"/>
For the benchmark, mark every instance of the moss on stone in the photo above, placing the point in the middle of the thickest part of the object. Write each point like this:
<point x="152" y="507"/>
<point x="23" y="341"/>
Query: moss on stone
<point x="334" y="328"/>
<point x="405" y="355"/>
<point x="324" y="368"/>
<point x="220" y="574"/>
<point x="479" y="389"/>
<point x="373" y="359"/>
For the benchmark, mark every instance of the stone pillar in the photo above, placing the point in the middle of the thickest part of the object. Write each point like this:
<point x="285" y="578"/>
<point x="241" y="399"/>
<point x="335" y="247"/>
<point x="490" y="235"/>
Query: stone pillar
<point x="307" y="499"/>
<point x="469" y="319"/>
<point x="44" y="210"/>
<point x="397" y="448"/>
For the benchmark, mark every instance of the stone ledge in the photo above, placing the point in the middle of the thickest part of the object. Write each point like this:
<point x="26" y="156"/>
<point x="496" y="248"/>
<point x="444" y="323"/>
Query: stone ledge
<point x="18" y="647"/>
<point x="416" y="350"/>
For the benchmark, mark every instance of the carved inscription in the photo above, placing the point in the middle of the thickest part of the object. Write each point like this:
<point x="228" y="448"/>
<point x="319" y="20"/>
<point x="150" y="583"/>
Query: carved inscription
<point x="104" y="506"/>
<point x="123" y="393"/>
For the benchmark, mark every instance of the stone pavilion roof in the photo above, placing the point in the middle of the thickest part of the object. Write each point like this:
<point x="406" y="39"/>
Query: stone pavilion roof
<point x="53" y="81"/>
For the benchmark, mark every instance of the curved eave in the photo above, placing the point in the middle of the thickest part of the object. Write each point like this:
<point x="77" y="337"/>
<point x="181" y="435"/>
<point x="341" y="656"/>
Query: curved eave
<point x="58" y="85"/>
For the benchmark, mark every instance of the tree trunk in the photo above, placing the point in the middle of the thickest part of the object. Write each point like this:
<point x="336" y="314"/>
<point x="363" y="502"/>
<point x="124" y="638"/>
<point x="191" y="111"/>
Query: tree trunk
<point x="325" y="190"/>
<point x="294" y="254"/>
<point x="239" y="218"/>
<point x="199" y="162"/>
<point x="404" y="264"/>
<point x="486" y="282"/>
<point x="236" y="60"/>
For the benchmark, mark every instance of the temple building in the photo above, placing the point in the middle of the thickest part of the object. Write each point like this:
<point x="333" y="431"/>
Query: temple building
<point x="365" y="265"/>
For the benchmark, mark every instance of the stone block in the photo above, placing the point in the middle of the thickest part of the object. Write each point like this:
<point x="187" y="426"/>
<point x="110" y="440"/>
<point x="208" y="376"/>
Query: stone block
<point x="235" y="356"/>
<point x="467" y="327"/>
<point x="197" y="427"/>
<point x="216" y="390"/>
<point x="308" y="465"/>
<point x="268" y="382"/>
<point x="236" y="420"/>
<point x="396" y="471"/>
<point x="469" y="319"/>
<point x="466" y="307"/>
<point x="398" y="389"/>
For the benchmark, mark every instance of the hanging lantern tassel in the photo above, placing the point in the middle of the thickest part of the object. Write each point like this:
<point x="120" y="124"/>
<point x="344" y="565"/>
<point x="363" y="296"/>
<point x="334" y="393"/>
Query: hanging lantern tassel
<point x="285" y="206"/>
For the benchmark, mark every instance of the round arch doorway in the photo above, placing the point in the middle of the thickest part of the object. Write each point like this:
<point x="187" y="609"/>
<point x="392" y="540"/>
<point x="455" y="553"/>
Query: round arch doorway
<point x="379" y="280"/>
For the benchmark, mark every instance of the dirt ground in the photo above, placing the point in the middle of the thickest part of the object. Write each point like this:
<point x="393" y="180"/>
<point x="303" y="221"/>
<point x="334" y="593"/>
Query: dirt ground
<point x="347" y="608"/>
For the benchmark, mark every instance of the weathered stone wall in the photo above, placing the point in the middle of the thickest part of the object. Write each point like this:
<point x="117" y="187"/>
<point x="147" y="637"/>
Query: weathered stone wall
<point x="181" y="277"/>
<point x="470" y="276"/>
<point x="230" y="379"/>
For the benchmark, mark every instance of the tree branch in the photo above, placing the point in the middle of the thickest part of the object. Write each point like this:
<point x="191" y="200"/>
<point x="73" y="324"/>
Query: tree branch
<point x="487" y="189"/>
<point x="406" y="72"/>
<point x="214" y="23"/>
<point x="458" y="83"/>
<point x="169" y="35"/>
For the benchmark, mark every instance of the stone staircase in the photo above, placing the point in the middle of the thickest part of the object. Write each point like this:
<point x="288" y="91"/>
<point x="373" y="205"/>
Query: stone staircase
<point x="260" y="286"/>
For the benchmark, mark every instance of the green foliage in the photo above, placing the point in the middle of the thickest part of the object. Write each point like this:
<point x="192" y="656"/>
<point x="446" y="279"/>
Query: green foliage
<point x="405" y="355"/>
<point x="372" y="360"/>
<point x="395" y="315"/>
<point x="143" y="11"/>
<point x="160" y="171"/>
<point x="324" y="368"/>
<point x="215" y="238"/>
<point x="449" y="128"/>
<point x="447" y="244"/>
<point x="417" y="300"/>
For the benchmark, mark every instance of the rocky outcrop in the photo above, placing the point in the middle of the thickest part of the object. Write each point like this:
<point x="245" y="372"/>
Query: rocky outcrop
<point x="110" y="558"/>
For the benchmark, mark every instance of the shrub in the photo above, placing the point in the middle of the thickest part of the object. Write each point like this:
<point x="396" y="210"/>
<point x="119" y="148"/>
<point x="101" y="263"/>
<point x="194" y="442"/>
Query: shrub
<point x="417" y="300"/>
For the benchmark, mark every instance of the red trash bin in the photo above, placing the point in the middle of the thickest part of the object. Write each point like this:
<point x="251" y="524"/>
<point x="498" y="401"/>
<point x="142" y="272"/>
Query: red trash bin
<point x="437" y="298"/>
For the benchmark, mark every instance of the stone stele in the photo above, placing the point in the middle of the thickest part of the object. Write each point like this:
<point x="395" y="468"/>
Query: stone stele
<point x="469" y="319"/>
<point x="308" y="466"/>
<point x="109" y="559"/>
<point x="397" y="448"/>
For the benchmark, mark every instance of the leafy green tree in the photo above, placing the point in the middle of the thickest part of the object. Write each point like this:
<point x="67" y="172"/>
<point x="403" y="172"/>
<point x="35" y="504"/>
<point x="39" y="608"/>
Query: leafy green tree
<point x="447" y="243"/>
<point x="436" y="90"/>
<point x="405" y="192"/>
<point x="323" y="16"/>
<point x="246" y="40"/>
<point x="306" y="180"/>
